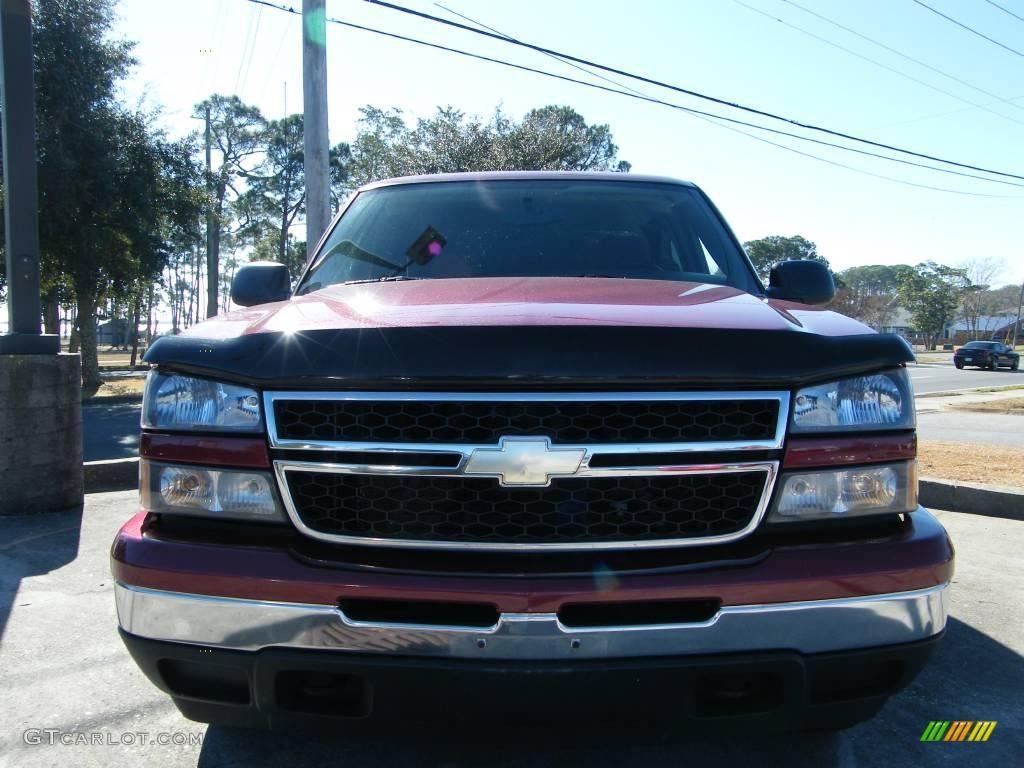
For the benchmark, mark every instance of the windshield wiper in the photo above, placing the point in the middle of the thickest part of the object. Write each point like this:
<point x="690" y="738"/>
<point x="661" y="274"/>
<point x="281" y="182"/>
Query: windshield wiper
<point x="385" y="279"/>
<point x="352" y="251"/>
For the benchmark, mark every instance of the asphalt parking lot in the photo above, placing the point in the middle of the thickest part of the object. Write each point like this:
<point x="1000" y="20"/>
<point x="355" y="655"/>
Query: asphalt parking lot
<point x="110" y="431"/>
<point x="63" y="667"/>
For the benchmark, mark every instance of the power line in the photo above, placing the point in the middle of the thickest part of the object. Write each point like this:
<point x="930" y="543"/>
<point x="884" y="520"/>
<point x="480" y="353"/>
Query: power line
<point x="550" y="55"/>
<point x="901" y="54"/>
<point x="1005" y="10"/>
<point x="1011" y="101"/>
<point x="969" y="29"/>
<point x="245" y="48"/>
<point x="252" y="52"/>
<point x="932" y="116"/>
<point x="641" y="97"/>
<point x="696" y="94"/>
<point x="854" y="169"/>
<point x="273" y="64"/>
<point x="875" y="62"/>
<point x="717" y="121"/>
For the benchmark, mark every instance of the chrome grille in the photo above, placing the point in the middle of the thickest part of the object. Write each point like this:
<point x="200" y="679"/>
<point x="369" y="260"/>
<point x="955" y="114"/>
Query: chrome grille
<point x="570" y="510"/>
<point x="635" y="421"/>
<point x="526" y="470"/>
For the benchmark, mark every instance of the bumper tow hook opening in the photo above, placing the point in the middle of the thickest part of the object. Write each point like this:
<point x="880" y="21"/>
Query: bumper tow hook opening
<point x="323" y="693"/>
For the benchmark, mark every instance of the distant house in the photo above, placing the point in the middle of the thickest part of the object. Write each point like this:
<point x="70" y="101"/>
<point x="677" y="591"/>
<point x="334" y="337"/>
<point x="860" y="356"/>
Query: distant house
<point x="112" y="333"/>
<point x="898" y="322"/>
<point x="986" y="327"/>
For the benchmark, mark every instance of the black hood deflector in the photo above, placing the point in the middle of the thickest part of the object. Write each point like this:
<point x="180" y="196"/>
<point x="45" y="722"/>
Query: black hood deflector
<point x="518" y="357"/>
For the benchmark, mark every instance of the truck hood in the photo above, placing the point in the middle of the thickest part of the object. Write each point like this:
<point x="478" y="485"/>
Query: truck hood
<point x="553" y="301"/>
<point x="528" y="331"/>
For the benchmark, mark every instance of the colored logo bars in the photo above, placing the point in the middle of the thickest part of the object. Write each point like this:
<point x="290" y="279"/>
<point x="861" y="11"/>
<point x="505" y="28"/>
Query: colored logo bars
<point x="958" y="730"/>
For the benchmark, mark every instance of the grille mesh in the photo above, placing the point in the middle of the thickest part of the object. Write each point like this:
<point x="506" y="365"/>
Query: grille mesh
<point x="570" y="510"/>
<point x="422" y="421"/>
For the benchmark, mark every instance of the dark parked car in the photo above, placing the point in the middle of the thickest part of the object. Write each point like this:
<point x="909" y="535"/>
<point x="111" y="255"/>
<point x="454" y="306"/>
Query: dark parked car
<point x="986" y="354"/>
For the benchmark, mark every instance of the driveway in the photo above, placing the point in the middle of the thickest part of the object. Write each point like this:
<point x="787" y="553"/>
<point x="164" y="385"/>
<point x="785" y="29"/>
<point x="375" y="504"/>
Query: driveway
<point x="63" y="667"/>
<point x="972" y="427"/>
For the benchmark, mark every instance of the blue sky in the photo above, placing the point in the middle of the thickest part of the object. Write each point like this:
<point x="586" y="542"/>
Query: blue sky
<point x="715" y="46"/>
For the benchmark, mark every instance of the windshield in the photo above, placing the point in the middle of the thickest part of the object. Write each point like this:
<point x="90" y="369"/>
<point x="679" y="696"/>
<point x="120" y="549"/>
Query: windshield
<point x="980" y="345"/>
<point x="530" y="228"/>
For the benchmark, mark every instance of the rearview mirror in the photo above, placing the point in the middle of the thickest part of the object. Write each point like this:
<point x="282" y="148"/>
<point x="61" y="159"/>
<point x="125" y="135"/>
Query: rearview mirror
<point x="809" y="282"/>
<point x="260" y="282"/>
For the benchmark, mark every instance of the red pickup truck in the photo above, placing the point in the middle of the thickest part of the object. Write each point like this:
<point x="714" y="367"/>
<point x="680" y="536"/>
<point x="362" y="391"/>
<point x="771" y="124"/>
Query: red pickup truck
<point x="531" y="443"/>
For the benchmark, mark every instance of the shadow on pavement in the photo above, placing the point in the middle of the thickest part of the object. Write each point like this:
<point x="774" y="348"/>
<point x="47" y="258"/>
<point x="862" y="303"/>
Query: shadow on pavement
<point x="110" y="431"/>
<point x="31" y="545"/>
<point x="971" y="677"/>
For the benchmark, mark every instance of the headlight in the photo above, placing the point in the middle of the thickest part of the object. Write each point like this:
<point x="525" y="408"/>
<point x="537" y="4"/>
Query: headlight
<point x="853" y="492"/>
<point x="878" y="401"/>
<point x="173" y="401"/>
<point x="208" y="492"/>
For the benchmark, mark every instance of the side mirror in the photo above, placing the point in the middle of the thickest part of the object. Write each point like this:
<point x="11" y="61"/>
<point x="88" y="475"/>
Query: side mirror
<point x="809" y="282"/>
<point x="260" y="282"/>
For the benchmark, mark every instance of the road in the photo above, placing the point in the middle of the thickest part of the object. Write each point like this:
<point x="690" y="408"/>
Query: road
<point x="110" y="431"/>
<point x="965" y="426"/>
<point x="62" y="666"/>
<point x="943" y="377"/>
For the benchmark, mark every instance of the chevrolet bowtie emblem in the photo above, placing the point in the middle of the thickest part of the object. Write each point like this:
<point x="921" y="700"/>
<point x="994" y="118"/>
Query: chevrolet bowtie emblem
<point x="524" y="461"/>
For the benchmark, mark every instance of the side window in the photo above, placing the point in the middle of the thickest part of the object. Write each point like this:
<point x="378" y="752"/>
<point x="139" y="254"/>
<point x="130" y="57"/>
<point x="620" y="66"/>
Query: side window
<point x="714" y="268"/>
<point x="698" y="262"/>
<point x="677" y="261"/>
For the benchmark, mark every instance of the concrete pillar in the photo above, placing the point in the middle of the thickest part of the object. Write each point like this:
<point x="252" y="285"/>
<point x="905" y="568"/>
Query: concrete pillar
<point x="40" y="433"/>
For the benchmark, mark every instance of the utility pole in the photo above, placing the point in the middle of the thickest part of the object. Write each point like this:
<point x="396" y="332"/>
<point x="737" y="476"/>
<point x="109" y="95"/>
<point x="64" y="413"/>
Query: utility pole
<point x="40" y="389"/>
<point x="1016" y="326"/>
<point x="316" y="144"/>
<point x="21" y="218"/>
<point x="212" y="283"/>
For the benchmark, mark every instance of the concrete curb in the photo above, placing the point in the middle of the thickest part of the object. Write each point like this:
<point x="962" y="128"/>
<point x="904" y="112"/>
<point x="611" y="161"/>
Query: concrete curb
<point x="111" y="475"/>
<point x="114" y="400"/>
<point x="973" y="498"/>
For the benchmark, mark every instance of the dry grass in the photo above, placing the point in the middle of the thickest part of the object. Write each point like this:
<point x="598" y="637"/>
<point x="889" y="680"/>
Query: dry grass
<point x="1009" y="405"/>
<point x="127" y="387"/>
<point x="112" y="358"/>
<point x="972" y="463"/>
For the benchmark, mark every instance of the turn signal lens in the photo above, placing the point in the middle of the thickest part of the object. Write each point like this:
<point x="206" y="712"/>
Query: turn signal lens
<point x="216" y="493"/>
<point x="186" y="486"/>
<point x="853" y="492"/>
<point x="246" y="493"/>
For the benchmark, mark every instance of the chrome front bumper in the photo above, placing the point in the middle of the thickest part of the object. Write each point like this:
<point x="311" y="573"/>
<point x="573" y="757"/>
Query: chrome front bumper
<point x="808" y="627"/>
